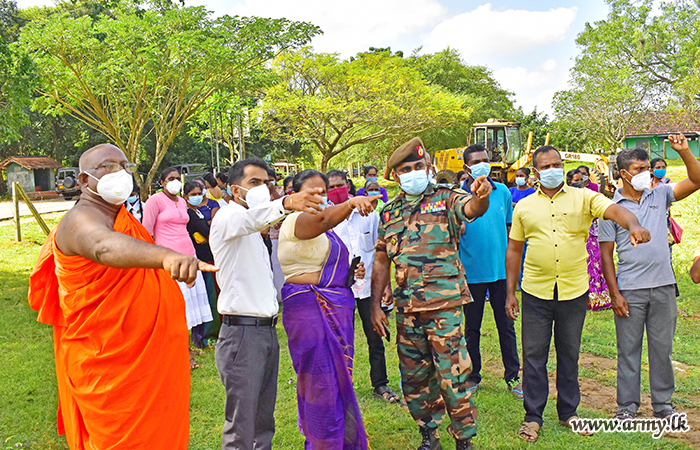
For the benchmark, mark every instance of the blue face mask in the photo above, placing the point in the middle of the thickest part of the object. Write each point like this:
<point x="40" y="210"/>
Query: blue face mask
<point x="372" y="193"/>
<point x="195" y="200"/>
<point x="132" y="199"/>
<point x="414" y="182"/>
<point x="520" y="181"/>
<point x="551" y="178"/>
<point x="659" y="173"/>
<point x="373" y="179"/>
<point x="228" y="189"/>
<point x="480" y="169"/>
<point x="325" y="204"/>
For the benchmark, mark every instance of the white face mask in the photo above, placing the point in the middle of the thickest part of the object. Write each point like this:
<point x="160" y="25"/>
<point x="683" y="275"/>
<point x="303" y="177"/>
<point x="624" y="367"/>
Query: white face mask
<point x="584" y="178"/>
<point x="641" y="181"/>
<point x="115" y="187"/>
<point x="259" y="195"/>
<point x="174" y="187"/>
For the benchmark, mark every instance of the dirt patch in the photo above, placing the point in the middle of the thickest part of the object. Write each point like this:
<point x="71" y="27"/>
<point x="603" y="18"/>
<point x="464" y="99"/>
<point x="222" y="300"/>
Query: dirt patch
<point x="601" y="397"/>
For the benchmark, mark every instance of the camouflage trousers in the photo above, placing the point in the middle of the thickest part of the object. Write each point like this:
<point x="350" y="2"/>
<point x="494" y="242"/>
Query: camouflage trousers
<point x="434" y="364"/>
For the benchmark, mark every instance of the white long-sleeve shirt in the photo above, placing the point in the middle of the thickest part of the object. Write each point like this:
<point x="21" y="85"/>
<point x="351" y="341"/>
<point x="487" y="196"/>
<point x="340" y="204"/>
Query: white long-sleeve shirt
<point x="359" y="234"/>
<point x="245" y="274"/>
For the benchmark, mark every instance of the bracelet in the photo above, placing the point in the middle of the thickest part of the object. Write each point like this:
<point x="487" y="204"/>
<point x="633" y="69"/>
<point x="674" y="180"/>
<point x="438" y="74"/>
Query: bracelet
<point x="350" y="206"/>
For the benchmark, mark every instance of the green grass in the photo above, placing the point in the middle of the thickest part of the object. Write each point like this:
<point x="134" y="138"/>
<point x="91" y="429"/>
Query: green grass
<point x="28" y="397"/>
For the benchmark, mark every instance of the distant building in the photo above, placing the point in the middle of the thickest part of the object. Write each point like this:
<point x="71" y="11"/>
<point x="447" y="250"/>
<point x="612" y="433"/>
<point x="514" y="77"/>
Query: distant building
<point x="33" y="173"/>
<point x="652" y="133"/>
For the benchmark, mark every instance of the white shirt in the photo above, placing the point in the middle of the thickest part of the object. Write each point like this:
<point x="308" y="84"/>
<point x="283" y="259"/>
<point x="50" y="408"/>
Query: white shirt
<point x="359" y="234"/>
<point x="245" y="274"/>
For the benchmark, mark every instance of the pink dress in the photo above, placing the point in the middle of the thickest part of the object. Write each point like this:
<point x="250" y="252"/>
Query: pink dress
<point x="598" y="294"/>
<point x="167" y="223"/>
<point x="167" y="220"/>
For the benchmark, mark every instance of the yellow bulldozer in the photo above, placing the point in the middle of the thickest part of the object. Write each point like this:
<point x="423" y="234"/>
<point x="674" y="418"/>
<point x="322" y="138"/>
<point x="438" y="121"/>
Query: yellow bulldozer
<point x="507" y="154"/>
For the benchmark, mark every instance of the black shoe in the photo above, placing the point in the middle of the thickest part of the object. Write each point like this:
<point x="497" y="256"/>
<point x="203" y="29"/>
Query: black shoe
<point x="464" y="444"/>
<point x="431" y="440"/>
<point x="665" y="414"/>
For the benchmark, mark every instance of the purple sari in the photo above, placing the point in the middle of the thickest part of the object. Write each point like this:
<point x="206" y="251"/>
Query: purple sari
<point x="319" y="325"/>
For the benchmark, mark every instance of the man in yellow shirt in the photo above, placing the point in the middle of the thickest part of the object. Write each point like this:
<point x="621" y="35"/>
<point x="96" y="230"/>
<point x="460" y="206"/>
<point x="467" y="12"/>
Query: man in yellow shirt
<point x="554" y="221"/>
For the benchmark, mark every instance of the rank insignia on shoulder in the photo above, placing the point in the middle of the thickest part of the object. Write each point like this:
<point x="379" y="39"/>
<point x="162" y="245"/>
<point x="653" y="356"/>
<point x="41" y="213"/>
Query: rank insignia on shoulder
<point x="433" y="207"/>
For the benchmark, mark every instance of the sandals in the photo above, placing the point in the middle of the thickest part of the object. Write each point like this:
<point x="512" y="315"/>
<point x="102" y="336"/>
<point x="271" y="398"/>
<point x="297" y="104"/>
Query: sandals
<point x="517" y="390"/>
<point x="385" y="393"/>
<point x="567" y="424"/>
<point x="529" y="431"/>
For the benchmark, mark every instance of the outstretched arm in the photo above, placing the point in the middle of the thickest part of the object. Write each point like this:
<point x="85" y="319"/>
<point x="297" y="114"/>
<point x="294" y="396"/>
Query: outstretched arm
<point x="309" y="226"/>
<point x="628" y="221"/>
<point x="691" y="184"/>
<point x="479" y="203"/>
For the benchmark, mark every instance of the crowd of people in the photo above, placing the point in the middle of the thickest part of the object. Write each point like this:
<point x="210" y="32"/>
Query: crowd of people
<point x="237" y="245"/>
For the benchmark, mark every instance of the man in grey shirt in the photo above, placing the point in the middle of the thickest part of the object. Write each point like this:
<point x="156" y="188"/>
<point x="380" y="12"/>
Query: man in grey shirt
<point x="643" y="294"/>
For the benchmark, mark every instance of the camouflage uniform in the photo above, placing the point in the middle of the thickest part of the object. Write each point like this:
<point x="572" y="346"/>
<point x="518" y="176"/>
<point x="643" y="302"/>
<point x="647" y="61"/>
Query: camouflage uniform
<point x="422" y="239"/>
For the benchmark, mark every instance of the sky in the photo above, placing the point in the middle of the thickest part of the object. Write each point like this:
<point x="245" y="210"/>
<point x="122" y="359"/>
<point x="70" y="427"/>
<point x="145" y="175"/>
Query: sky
<point x="529" y="45"/>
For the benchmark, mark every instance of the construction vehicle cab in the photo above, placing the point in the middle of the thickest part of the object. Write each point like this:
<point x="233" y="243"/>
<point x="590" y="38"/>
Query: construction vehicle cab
<point x="502" y="141"/>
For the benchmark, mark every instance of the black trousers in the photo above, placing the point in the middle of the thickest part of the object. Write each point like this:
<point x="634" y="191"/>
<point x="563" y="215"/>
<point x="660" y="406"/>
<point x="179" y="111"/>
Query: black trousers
<point x="377" y="361"/>
<point x="474" y="313"/>
<point x="538" y="317"/>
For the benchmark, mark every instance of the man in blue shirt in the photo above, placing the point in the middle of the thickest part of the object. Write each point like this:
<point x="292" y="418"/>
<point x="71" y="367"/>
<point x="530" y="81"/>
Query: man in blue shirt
<point x="482" y="249"/>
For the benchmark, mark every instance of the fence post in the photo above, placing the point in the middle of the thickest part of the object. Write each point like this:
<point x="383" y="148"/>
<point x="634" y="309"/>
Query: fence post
<point x="33" y="210"/>
<point x="15" y="203"/>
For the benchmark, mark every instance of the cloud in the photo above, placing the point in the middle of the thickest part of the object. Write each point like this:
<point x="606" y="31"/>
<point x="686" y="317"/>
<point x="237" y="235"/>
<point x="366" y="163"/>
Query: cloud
<point x="534" y="87"/>
<point x="485" y="31"/>
<point x="352" y="26"/>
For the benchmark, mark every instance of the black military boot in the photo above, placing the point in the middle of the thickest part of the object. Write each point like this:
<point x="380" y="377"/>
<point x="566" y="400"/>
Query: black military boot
<point x="431" y="441"/>
<point x="464" y="444"/>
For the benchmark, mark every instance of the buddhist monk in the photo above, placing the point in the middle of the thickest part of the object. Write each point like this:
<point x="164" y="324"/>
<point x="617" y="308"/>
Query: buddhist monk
<point x="118" y="316"/>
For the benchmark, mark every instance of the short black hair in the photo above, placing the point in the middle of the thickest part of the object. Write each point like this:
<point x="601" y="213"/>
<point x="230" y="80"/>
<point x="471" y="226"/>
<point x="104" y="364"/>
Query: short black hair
<point x="223" y="177"/>
<point x="570" y="175"/>
<point x="211" y="179"/>
<point x="287" y="180"/>
<point x="337" y="173"/>
<point x="368" y="183"/>
<point x="582" y="166"/>
<point x="366" y="169"/>
<point x="474" y="148"/>
<point x="541" y="150"/>
<point x="271" y="173"/>
<point x="168" y="170"/>
<point x="189" y="185"/>
<point x="237" y="171"/>
<point x="656" y="160"/>
<point x="524" y="169"/>
<point x="301" y="177"/>
<point x="626" y="156"/>
<point x="460" y="173"/>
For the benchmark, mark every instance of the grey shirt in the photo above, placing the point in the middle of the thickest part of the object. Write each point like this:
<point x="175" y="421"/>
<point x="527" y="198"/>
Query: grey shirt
<point x="648" y="265"/>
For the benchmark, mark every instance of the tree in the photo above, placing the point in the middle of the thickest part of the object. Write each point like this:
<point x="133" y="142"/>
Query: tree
<point x="633" y="62"/>
<point x="17" y="75"/>
<point x="130" y="70"/>
<point x="336" y="105"/>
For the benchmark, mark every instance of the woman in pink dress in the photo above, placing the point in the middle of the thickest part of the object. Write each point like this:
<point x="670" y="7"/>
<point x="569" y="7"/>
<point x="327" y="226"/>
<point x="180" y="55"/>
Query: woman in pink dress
<point x="165" y="217"/>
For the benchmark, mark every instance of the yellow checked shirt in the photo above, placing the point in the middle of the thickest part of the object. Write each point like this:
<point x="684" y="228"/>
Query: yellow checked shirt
<point x="556" y="231"/>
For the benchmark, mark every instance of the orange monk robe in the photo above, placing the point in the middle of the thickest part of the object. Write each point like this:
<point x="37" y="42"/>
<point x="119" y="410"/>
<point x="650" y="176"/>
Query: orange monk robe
<point x="121" y="346"/>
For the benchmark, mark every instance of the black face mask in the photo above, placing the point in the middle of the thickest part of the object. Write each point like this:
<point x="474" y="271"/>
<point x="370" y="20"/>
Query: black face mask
<point x="577" y="184"/>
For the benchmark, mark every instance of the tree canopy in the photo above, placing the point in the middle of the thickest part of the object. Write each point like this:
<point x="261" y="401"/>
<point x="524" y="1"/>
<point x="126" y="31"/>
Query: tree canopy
<point x="135" y="71"/>
<point x="335" y="104"/>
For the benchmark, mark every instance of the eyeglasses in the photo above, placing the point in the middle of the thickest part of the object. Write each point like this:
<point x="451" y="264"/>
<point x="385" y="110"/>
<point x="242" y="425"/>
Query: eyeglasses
<point x="113" y="167"/>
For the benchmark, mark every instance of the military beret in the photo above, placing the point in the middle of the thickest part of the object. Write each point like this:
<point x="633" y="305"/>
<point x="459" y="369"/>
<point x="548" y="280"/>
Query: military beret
<point x="412" y="150"/>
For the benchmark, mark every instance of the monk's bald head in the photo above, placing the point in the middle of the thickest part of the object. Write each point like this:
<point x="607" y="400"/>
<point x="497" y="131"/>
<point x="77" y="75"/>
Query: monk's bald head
<point x="100" y="154"/>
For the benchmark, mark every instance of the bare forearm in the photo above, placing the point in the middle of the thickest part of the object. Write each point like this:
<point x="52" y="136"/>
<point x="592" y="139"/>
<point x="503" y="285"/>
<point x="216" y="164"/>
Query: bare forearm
<point x="476" y="207"/>
<point x="692" y="164"/>
<point x="380" y="278"/>
<point x="608" y="267"/>
<point x="622" y="216"/>
<point x="695" y="271"/>
<point x="121" y="251"/>
<point x="309" y="226"/>
<point x="513" y="261"/>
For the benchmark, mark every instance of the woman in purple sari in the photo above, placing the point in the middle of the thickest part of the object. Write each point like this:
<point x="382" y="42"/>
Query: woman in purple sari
<point x="318" y="312"/>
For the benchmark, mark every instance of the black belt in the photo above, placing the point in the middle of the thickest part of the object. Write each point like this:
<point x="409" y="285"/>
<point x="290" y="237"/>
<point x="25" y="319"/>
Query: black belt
<point x="250" y="321"/>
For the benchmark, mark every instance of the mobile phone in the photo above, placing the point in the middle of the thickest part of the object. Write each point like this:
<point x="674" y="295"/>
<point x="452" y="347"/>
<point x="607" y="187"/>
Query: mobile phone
<point x="388" y="333"/>
<point x="351" y="273"/>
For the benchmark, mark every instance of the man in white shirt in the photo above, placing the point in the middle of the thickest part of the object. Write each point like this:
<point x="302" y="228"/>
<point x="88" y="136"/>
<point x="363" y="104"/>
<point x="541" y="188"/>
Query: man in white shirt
<point x="359" y="235"/>
<point x="247" y="353"/>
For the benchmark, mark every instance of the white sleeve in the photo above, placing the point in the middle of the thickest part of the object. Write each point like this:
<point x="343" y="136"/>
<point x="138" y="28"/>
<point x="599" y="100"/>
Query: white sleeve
<point x="232" y="225"/>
